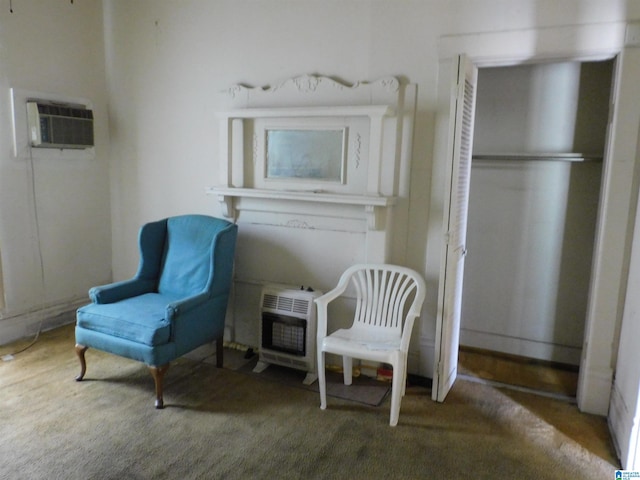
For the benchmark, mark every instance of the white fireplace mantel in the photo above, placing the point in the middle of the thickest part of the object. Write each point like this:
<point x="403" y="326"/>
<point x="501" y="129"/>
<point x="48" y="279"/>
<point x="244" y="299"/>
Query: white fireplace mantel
<point x="371" y="204"/>
<point x="375" y="118"/>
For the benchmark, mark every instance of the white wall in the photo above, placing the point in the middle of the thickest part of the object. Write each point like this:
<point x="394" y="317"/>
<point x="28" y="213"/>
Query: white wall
<point x="553" y="107"/>
<point x="55" y="223"/>
<point x="167" y="61"/>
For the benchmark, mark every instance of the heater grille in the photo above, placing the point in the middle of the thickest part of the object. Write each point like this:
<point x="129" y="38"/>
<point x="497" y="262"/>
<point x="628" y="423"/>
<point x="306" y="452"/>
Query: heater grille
<point x="285" y="334"/>
<point x="286" y="304"/>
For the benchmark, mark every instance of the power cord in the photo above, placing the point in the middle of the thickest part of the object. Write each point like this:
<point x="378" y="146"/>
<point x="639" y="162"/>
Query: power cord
<point x="32" y="178"/>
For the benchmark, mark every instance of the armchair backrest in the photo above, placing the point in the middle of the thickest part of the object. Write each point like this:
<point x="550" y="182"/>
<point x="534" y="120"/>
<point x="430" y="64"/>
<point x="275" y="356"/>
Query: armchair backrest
<point x="382" y="293"/>
<point x="183" y="253"/>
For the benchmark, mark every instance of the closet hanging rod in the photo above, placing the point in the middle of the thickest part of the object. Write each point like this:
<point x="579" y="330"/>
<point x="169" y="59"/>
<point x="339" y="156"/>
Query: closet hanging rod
<point x="548" y="157"/>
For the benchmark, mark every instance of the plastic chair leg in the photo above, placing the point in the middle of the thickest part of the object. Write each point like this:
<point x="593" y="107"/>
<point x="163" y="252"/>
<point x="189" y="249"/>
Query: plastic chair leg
<point x="347" y="367"/>
<point x="404" y="383"/>
<point x="396" y="394"/>
<point x="322" y="382"/>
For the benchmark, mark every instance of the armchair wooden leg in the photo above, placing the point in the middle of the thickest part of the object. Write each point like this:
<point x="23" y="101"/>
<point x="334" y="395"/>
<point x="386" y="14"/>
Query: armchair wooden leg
<point x="219" y="352"/>
<point x="80" y="349"/>
<point x="158" y="377"/>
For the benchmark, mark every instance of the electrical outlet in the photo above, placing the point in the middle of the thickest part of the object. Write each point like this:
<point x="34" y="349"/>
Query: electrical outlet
<point x="632" y="36"/>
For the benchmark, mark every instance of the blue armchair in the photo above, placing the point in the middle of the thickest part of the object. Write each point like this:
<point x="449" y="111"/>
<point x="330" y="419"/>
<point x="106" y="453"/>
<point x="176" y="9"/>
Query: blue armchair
<point x="176" y="302"/>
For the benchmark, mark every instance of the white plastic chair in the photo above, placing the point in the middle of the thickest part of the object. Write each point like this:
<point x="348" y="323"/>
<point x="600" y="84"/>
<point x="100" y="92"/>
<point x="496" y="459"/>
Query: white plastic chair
<point x="382" y="324"/>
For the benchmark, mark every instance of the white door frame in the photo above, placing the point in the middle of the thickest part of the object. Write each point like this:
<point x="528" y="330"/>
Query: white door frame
<point x="576" y="43"/>
<point x="624" y="409"/>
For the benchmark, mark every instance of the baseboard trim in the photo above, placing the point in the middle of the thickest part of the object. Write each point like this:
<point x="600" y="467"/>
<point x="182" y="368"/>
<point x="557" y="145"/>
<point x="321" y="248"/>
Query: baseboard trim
<point x="618" y="417"/>
<point x="567" y="354"/>
<point x="29" y="324"/>
<point x="594" y="390"/>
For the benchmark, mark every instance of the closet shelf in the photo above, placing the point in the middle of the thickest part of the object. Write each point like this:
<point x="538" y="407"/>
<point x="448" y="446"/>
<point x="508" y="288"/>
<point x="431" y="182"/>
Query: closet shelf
<point x="553" y="157"/>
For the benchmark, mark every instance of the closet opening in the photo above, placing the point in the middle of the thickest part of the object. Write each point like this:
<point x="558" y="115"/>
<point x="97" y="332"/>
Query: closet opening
<point x="538" y="148"/>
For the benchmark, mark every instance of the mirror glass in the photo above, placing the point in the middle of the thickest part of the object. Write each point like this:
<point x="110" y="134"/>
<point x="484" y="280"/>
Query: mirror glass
<point x="316" y="154"/>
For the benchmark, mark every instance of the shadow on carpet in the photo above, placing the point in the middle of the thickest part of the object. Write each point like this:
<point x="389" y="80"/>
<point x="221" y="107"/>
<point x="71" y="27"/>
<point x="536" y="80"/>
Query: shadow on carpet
<point x="363" y="390"/>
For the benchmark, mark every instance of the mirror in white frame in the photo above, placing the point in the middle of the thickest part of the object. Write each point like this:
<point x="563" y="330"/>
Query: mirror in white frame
<point x="317" y="154"/>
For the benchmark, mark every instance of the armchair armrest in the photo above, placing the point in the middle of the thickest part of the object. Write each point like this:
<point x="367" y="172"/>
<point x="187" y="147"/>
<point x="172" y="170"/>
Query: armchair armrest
<point x="184" y="305"/>
<point x="117" y="291"/>
<point x="196" y="319"/>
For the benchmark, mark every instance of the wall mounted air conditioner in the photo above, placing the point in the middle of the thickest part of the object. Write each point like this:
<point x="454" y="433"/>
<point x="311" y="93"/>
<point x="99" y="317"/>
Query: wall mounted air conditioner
<point x="59" y="125"/>
<point x="288" y="330"/>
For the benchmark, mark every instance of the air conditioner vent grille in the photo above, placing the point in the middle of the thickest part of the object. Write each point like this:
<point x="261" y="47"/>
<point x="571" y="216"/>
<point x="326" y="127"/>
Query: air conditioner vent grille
<point x="65" y="111"/>
<point x="53" y="125"/>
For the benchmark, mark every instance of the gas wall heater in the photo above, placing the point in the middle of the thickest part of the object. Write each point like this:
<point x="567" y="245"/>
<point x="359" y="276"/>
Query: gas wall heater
<point x="59" y="125"/>
<point x="288" y="329"/>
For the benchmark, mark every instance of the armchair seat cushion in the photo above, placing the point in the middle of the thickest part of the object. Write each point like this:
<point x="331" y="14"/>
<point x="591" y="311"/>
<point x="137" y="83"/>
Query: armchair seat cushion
<point x="141" y="319"/>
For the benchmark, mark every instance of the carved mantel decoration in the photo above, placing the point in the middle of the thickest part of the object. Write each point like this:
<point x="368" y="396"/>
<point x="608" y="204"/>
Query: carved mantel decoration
<point x="338" y="154"/>
<point x="310" y="84"/>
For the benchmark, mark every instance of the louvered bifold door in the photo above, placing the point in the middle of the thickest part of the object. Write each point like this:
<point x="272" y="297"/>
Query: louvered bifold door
<point x="455" y="226"/>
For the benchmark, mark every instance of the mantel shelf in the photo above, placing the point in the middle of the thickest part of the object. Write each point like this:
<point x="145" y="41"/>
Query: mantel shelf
<point x="371" y="203"/>
<point x="304" y="196"/>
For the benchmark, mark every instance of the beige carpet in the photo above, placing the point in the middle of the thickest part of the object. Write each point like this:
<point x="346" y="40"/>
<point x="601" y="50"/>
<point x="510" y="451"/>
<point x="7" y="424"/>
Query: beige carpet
<point x="219" y="423"/>
<point x="362" y="390"/>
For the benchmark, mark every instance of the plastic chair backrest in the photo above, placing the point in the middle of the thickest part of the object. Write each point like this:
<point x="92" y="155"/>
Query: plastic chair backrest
<point x="382" y="294"/>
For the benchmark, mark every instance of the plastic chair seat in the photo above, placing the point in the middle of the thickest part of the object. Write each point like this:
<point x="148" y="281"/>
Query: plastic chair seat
<point x="350" y="341"/>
